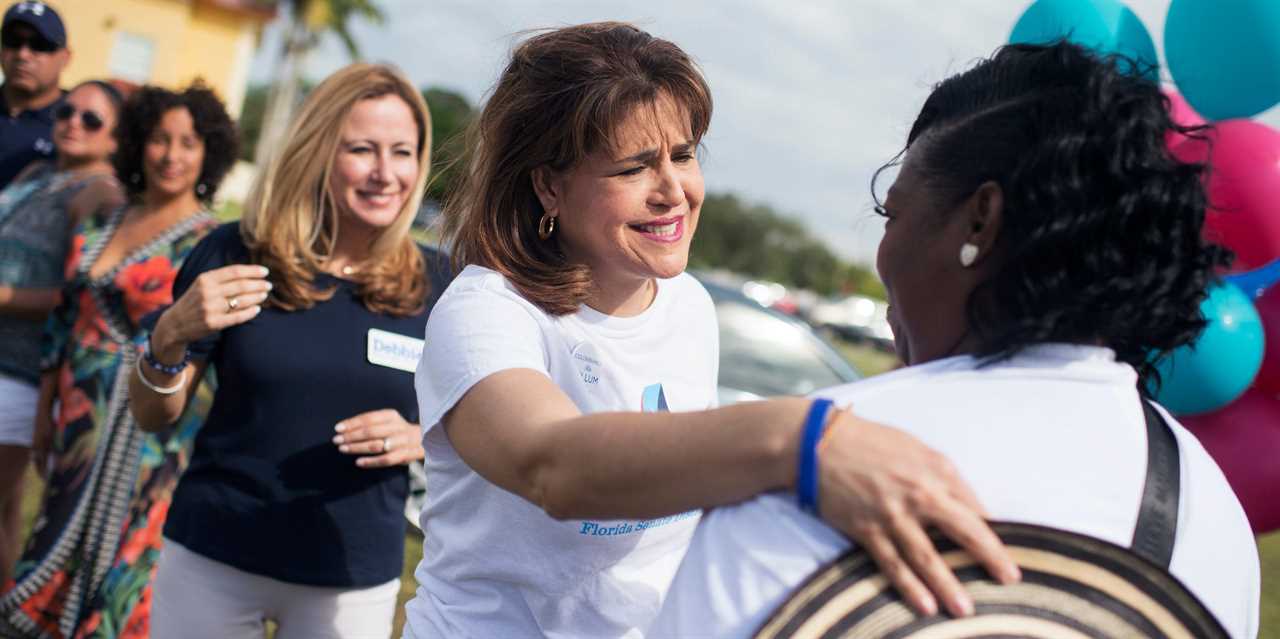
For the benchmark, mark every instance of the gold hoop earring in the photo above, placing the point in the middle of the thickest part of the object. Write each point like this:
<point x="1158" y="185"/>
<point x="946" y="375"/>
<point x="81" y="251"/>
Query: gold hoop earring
<point x="546" y="226"/>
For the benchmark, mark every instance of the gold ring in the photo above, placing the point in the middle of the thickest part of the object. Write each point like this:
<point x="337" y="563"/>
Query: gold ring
<point x="232" y="304"/>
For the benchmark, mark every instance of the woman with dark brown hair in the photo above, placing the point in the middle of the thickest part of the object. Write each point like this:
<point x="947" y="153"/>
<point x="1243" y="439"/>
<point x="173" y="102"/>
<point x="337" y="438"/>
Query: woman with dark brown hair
<point x="560" y="505"/>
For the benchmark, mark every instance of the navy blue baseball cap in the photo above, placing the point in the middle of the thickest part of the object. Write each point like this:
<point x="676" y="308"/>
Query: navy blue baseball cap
<point x="40" y="17"/>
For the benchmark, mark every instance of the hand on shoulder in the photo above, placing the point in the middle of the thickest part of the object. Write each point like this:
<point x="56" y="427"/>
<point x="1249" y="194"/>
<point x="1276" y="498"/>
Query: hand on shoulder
<point x="883" y="487"/>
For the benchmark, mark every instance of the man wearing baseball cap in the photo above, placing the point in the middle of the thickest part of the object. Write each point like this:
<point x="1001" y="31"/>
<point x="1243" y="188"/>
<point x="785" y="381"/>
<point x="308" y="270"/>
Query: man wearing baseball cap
<point x="33" y="52"/>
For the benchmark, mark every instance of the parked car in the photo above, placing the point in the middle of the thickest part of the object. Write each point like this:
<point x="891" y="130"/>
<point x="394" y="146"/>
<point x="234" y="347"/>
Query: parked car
<point x="763" y="353"/>
<point x="856" y="318"/>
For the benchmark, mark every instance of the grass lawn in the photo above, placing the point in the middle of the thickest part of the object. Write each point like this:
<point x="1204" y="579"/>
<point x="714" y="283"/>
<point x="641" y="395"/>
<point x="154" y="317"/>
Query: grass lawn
<point x="1269" y="551"/>
<point x="870" y="362"/>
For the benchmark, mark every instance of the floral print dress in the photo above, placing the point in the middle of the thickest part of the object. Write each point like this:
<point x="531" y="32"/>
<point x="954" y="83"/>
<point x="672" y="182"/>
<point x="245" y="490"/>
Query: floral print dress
<point x="87" y="566"/>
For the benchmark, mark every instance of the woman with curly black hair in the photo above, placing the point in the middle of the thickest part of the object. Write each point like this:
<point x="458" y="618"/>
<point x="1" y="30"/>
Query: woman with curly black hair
<point x="1040" y="245"/>
<point x="87" y="566"/>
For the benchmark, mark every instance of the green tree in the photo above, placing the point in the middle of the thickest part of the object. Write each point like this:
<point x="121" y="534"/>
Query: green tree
<point x="252" y="114"/>
<point x="756" y="241"/>
<point x="309" y="22"/>
<point x="450" y="115"/>
<point x="250" y="124"/>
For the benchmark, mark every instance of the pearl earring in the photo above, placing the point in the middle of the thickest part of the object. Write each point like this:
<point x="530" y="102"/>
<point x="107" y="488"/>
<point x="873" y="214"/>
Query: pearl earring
<point x="968" y="253"/>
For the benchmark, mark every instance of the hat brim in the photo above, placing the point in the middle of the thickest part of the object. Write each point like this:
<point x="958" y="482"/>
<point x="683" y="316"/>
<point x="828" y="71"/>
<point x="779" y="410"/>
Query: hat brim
<point x="39" y="27"/>
<point x="1073" y="586"/>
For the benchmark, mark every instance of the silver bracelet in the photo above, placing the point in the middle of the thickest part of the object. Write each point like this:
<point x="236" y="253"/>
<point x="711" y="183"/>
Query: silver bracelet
<point x="159" y="390"/>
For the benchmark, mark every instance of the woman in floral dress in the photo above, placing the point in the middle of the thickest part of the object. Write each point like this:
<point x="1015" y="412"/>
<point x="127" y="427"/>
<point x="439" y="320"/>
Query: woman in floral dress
<point x="38" y="211"/>
<point x="86" y="568"/>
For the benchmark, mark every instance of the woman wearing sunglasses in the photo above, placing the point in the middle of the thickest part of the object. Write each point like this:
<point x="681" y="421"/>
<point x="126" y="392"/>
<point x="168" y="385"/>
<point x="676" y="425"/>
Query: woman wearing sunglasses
<point x="37" y="213"/>
<point x="86" y="569"/>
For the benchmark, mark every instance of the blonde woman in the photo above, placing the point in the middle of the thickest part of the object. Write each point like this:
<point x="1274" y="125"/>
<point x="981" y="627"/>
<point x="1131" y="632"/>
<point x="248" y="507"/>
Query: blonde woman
<point x="309" y="310"/>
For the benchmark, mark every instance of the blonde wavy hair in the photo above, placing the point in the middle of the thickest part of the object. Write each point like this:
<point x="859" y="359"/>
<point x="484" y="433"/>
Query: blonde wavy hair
<point x="291" y="221"/>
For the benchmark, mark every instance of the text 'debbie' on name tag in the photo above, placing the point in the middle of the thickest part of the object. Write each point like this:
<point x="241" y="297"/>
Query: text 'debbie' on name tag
<point x="394" y="350"/>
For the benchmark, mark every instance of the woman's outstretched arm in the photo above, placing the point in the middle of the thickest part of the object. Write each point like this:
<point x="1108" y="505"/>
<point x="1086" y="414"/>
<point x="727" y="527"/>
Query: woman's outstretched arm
<point x="878" y="485"/>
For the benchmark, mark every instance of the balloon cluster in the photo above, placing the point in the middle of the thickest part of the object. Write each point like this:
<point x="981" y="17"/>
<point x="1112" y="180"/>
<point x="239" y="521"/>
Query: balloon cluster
<point x="1224" y="59"/>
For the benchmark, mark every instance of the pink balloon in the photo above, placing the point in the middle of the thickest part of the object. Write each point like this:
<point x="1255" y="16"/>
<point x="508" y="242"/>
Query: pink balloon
<point x="1244" y="438"/>
<point x="1268" y="305"/>
<point x="1182" y="114"/>
<point x="1244" y="189"/>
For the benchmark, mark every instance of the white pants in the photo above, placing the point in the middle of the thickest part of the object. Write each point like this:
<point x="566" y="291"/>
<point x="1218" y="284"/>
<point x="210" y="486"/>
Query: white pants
<point x="17" y="411"/>
<point x="194" y="597"/>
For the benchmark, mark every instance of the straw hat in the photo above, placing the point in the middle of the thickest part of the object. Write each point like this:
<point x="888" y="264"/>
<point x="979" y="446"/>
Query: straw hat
<point x="1072" y="586"/>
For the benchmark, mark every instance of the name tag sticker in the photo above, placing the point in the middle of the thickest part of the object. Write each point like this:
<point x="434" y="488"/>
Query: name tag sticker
<point x="394" y="350"/>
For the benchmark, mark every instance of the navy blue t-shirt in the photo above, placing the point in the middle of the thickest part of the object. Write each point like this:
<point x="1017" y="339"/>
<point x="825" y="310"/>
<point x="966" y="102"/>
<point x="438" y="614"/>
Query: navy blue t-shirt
<point x="267" y="490"/>
<point x="24" y="139"/>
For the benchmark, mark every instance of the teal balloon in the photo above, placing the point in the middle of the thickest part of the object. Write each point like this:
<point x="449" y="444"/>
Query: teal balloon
<point x="1222" y="363"/>
<point x="1106" y="26"/>
<point x="1224" y="55"/>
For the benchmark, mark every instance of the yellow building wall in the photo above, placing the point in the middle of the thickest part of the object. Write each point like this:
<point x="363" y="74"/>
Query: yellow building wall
<point x="188" y="39"/>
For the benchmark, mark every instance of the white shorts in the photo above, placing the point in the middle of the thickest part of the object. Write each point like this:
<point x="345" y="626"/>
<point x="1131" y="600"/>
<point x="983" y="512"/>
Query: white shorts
<point x="17" y="411"/>
<point x="194" y="597"/>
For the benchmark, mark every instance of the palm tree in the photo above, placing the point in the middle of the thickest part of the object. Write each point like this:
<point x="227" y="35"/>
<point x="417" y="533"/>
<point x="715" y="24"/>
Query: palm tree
<point x="309" y="21"/>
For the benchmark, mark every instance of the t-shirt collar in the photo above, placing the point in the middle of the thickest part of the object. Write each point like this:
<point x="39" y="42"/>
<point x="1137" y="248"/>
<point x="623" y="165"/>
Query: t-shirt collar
<point x="44" y="114"/>
<point x="615" y="323"/>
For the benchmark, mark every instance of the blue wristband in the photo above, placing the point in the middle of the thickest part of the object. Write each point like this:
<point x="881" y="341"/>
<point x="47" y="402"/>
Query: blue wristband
<point x="167" y="369"/>
<point x="807" y="472"/>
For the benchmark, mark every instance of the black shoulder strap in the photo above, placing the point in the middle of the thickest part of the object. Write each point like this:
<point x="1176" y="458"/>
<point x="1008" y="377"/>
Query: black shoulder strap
<point x="1158" y="513"/>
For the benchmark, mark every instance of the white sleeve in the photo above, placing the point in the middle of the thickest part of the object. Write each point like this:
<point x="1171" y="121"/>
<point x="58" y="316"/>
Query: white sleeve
<point x="742" y="564"/>
<point x="472" y="334"/>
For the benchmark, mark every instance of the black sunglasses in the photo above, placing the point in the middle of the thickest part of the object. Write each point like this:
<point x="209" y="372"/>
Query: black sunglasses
<point x="91" y="120"/>
<point x="35" y="43"/>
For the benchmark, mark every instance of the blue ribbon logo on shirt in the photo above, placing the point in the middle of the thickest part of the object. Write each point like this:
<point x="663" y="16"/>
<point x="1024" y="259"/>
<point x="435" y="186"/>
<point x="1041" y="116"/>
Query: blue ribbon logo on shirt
<point x="654" y="400"/>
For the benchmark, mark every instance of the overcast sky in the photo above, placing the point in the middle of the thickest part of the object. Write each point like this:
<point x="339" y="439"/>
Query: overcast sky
<point x="810" y="96"/>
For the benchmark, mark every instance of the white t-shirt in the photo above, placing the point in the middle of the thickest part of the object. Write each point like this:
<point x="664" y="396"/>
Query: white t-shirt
<point x="495" y="565"/>
<point x="1054" y="437"/>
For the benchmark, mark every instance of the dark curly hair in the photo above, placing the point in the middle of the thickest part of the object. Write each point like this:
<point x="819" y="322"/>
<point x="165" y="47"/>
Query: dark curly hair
<point x="143" y="112"/>
<point x="1101" y="237"/>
